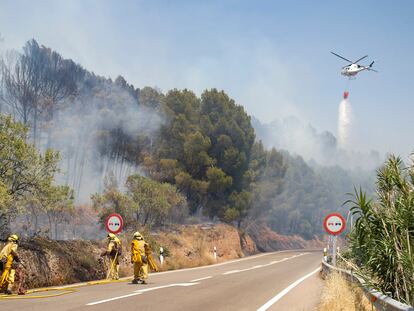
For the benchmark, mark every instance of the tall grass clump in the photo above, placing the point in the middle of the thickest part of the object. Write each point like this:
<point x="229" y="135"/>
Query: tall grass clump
<point x="340" y="295"/>
<point x="382" y="240"/>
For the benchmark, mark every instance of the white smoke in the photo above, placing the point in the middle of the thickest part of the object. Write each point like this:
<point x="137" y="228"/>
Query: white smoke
<point x="344" y="124"/>
<point x="293" y="135"/>
<point x="84" y="134"/>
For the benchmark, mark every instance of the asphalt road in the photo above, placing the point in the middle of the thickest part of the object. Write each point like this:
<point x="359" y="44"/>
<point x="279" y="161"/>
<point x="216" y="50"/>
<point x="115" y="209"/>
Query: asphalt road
<point x="270" y="281"/>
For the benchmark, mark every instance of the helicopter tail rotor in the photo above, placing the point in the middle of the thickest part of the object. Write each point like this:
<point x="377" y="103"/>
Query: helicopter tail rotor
<point x="370" y="67"/>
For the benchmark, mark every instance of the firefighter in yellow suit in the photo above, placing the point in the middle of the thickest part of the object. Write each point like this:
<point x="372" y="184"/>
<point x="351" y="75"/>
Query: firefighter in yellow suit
<point x="141" y="258"/>
<point x="113" y="252"/>
<point x="8" y="255"/>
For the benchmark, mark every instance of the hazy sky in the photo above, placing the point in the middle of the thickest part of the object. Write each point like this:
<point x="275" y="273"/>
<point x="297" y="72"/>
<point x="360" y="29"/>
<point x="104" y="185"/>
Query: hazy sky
<point x="270" y="56"/>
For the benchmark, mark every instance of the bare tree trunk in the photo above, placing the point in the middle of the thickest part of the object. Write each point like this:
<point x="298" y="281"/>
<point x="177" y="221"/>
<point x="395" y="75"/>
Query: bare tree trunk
<point x="28" y="225"/>
<point x="50" y="127"/>
<point x="50" y="225"/>
<point x="35" y="218"/>
<point x="75" y="169"/>
<point x="56" y="229"/>
<point x="34" y="127"/>
<point x="4" y="226"/>
<point x="81" y="171"/>
<point x="68" y="172"/>
<point x="25" y="114"/>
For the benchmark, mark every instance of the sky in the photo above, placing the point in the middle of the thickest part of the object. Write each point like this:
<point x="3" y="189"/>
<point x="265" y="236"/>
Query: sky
<point x="272" y="57"/>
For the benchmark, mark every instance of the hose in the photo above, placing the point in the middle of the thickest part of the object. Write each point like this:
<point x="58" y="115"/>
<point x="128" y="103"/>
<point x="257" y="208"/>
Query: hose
<point x="64" y="291"/>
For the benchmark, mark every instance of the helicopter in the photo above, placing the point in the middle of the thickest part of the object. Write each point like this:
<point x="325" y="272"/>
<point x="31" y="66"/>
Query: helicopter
<point x="354" y="68"/>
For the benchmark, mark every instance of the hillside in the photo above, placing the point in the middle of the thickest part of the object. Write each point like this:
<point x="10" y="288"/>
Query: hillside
<point x="156" y="158"/>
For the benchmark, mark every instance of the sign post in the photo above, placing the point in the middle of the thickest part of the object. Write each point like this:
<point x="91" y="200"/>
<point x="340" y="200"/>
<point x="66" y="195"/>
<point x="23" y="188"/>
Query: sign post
<point x="334" y="225"/>
<point x="334" y="251"/>
<point x="114" y="223"/>
<point x="161" y="255"/>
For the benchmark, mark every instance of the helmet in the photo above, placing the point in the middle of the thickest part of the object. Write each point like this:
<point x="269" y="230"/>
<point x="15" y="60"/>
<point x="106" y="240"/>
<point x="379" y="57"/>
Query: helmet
<point x="111" y="236"/>
<point x="138" y="236"/>
<point x="13" y="238"/>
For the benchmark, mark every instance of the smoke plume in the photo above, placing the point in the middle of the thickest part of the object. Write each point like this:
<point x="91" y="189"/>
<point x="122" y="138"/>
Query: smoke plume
<point x="92" y="136"/>
<point x="344" y="124"/>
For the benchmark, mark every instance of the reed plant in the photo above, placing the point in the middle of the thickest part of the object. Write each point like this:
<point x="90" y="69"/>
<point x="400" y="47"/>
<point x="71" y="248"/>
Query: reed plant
<point x="382" y="240"/>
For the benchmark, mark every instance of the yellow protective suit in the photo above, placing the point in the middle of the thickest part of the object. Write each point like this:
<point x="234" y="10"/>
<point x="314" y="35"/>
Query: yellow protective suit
<point x="139" y="260"/>
<point x="113" y="253"/>
<point x="151" y="262"/>
<point x="141" y="257"/>
<point x="9" y="252"/>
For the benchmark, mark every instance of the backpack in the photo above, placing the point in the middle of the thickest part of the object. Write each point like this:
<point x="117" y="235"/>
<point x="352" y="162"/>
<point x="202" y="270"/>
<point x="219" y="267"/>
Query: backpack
<point x="117" y="248"/>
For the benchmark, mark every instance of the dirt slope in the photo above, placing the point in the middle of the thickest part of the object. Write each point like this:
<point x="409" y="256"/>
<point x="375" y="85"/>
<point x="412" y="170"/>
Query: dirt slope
<point x="267" y="240"/>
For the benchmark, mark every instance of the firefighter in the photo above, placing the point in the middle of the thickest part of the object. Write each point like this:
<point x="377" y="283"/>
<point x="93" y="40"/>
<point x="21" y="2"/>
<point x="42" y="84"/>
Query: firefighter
<point x="9" y="257"/>
<point x="141" y="258"/>
<point x="113" y="252"/>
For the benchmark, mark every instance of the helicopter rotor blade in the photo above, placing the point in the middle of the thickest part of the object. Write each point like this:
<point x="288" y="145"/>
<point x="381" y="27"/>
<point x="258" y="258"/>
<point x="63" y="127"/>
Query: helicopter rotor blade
<point x="360" y="59"/>
<point x="342" y="57"/>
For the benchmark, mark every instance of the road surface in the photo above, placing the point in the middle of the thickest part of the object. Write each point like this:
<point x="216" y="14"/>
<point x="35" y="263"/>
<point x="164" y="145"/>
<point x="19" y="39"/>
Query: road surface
<point x="272" y="281"/>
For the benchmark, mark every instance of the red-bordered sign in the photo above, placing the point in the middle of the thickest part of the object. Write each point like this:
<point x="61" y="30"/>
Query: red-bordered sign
<point x="334" y="223"/>
<point x="114" y="223"/>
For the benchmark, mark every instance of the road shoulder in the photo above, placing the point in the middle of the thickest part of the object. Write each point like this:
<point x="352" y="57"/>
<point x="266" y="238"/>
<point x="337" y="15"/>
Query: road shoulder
<point x="304" y="297"/>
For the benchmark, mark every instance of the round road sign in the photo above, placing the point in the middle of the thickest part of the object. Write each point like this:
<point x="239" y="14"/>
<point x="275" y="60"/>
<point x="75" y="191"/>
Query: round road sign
<point x="114" y="223"/>
<point x="334" y="224"/>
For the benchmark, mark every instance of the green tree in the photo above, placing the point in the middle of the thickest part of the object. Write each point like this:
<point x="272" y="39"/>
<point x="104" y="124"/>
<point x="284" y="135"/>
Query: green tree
<point x="219" y="182"/>
<point x="112" y="200"/>
<point x="196" y="156"/>
<point x="154" y="202"/>
<point x="231" y="134"/>
<point x="23" y="171"/>
<point x="238" y="210"/>
<point x="57" y="203"/>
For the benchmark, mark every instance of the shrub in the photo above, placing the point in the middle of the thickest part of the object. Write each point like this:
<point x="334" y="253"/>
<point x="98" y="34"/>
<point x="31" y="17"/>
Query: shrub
<point x="382" y="240"/>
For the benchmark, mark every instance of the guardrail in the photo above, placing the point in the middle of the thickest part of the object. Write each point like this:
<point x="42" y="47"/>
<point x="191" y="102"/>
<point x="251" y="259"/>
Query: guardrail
<point x="379" y="300"/>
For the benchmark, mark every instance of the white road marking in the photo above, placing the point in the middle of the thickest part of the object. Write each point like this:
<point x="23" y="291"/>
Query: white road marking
<point x="268" y="304"/>
<point x="186" y="269"/>
<point x="164" y="286"/>
<point x="200" y="279"/>
<point x="231" y="272"/>
<point x="224" y="263"/>
<point x="140" y="292"/>
<point x="277" y="261"/>
<point x="111" y="299"/>
<point x="265" y="265"/>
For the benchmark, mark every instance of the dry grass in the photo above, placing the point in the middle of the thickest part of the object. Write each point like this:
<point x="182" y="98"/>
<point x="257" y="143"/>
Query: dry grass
<point x="181" y="261"/>
<point x="340" y="295"/>
<point x="192" y="245"/>
<point x="196" y="253"/>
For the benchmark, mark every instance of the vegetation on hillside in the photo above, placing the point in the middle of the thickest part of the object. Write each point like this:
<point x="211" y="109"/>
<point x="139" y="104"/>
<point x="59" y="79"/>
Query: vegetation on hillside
<point x="146" y="202"/>
<point x="26" y="181"/>
<point x="163" y="156"/>
<point x="311" y="192"/>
